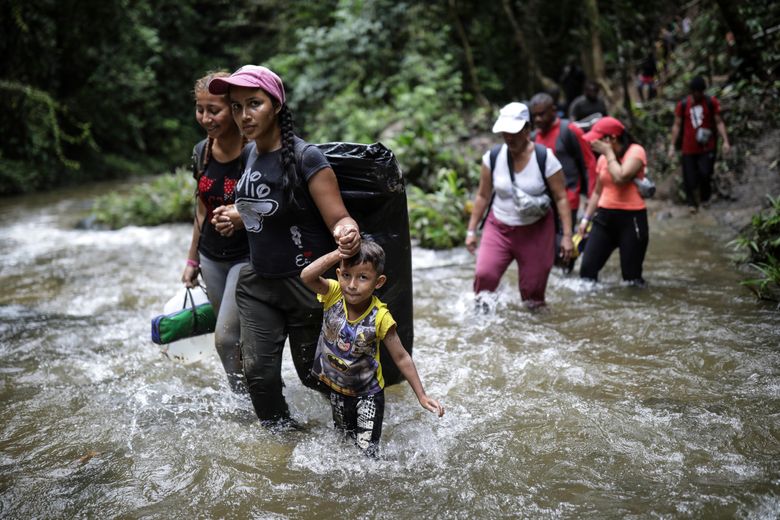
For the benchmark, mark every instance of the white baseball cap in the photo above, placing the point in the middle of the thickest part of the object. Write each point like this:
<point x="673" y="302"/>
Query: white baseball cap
<point x="512" y="118"/>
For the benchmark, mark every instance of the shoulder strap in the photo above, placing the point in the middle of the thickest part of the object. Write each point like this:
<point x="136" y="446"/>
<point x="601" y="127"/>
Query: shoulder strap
<point x="493" y="158"/>
<point x="541" y="160"/>
<point x="572" y="145"/>
<point x="198" y="152"/>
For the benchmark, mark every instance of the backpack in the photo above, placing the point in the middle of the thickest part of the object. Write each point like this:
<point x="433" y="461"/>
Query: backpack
<point x="684" y="107"/>
<point x="372" y="188"/>
<point x="569" y="142"/>
<point x="541" y="161"/>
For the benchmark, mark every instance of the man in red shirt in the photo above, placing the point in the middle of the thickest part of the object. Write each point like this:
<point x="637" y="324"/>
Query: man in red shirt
<point x="570" y="148"/>
<point x="698" y="116"/>
<point x="564" y="138"/>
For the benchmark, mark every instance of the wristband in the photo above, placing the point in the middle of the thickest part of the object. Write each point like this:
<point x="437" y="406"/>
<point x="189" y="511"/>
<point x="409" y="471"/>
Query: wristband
<point x="470" y="233"/>
<point x="192" y="263"/>
<point x="585" y="218"/>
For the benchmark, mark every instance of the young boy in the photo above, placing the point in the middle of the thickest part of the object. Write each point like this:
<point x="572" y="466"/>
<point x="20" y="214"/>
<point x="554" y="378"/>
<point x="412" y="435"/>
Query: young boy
<point x="347" y="357"/>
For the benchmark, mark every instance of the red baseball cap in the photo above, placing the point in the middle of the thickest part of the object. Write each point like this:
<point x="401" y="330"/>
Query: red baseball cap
<point x="605" y="126"/>
<point x="252" y="76"/>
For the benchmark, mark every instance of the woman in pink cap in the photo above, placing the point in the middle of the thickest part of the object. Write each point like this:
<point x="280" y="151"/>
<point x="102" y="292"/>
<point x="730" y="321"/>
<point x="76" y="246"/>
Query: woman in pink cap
<point x="289" y="203"/>
<point x="217" y="168"/>
<point x="615" y="208"/>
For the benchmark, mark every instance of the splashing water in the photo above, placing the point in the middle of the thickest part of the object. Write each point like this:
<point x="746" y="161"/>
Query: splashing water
<point x="615" y="402"/>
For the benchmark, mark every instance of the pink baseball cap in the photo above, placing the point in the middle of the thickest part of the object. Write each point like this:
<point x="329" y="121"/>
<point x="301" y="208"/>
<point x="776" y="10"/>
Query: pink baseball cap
<point x="252" y="76"/>
<point x="605" y="126"/>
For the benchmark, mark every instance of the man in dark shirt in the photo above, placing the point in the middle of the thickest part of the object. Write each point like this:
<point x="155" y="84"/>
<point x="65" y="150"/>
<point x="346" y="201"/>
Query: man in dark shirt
<point x="588" y="104"/>
<point x="565" y="139"/>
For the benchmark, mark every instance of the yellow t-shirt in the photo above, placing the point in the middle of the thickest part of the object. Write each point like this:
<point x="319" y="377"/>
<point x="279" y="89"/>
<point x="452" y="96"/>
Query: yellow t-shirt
<point x="347" y="357"/>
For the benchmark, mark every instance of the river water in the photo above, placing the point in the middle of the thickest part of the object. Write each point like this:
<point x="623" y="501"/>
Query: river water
<point x="616" y="403"/>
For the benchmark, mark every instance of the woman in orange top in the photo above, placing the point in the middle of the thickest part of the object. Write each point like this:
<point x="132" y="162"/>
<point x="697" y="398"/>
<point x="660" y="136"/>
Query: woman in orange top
<point x="621" y="218"/>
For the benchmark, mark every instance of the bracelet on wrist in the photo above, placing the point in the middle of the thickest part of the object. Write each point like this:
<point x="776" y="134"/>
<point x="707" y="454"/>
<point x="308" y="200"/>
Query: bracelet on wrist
<point x="471" y="233"/>
<point x="585" y="218"/>
<point x="192" y="263"/>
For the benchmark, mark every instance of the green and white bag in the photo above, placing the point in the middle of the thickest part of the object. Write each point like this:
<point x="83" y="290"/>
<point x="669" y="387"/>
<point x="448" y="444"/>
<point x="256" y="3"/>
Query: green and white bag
<point x="193" y="319"/>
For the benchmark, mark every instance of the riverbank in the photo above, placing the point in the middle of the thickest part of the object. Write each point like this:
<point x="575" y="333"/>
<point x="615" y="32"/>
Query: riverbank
<point x="746" y="190"/>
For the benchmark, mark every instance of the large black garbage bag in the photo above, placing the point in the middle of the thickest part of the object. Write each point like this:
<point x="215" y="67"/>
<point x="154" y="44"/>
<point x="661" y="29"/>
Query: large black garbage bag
<point x="372" y="187"/>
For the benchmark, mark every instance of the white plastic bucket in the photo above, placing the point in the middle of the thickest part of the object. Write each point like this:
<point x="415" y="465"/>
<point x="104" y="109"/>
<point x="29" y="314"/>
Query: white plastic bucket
<point x="190" y="350"/>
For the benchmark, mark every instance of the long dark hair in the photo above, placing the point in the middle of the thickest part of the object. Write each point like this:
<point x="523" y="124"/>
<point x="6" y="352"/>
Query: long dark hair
<point x="289" y="166"/>
<point x="625" y="140"/>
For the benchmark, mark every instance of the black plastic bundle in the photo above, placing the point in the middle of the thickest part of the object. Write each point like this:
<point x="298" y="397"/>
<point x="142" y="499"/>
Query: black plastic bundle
<point x="373" y="190"/>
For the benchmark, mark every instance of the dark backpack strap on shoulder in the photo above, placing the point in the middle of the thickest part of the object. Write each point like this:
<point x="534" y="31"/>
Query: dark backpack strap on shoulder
<point x="572" y="146"/>
<point x="493" y="158"/>
<point x="541" y="160"/>
<point x="198" y="154"/>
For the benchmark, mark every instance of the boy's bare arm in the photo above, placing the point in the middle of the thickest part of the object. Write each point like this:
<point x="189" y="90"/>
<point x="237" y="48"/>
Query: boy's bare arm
<point x="406" y="365"/>
<point x="312" y="273"/>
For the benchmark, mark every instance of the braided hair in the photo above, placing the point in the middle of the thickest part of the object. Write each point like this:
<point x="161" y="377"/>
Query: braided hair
<point x="289" y="166"/>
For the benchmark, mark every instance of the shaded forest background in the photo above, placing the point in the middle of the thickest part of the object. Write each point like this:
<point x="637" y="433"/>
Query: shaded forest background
<point x="94" y="90"/>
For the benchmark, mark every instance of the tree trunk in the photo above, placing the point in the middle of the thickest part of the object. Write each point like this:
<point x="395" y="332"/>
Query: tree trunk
<point x="535" y="77"/>
<point x="464" y="41"/>
<point x="747" y="50"/>
<point x="597" y="70"/>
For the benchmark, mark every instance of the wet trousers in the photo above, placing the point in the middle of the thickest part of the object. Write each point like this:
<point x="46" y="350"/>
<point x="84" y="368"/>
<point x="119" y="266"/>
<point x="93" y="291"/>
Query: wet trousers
<point x="359" y="419"/>
<point x="616" y="228"/>
<point x="221" y="278"/>
<point x="697" y="174"/>
<point x="271" y="310"/>
<point x="532" y="246"/>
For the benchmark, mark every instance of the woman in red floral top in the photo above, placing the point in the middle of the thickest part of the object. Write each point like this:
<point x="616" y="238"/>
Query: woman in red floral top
<point x="218" y="258"/>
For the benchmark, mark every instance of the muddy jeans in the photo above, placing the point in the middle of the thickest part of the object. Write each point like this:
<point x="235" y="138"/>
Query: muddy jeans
<point x="271" y="309"/>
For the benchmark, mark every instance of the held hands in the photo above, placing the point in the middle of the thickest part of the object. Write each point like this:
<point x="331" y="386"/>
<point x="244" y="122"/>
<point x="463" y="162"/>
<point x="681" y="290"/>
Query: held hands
<point x="347" y="237"/>
<point x="226" y="220"/>
<point x="432" y="405"/>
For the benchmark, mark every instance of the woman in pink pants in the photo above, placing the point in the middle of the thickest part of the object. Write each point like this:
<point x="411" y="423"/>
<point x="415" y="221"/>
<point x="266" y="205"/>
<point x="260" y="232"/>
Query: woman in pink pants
<point x="518" y="185"/>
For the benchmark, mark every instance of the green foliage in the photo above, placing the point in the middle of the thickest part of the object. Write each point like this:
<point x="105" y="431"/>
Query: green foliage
<point x="438" y="219"/>
<point x="167" y="198"/>
<point x="377" y="73"/>
<point x="35" y="150"/>
<point x="761" y="243"/>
